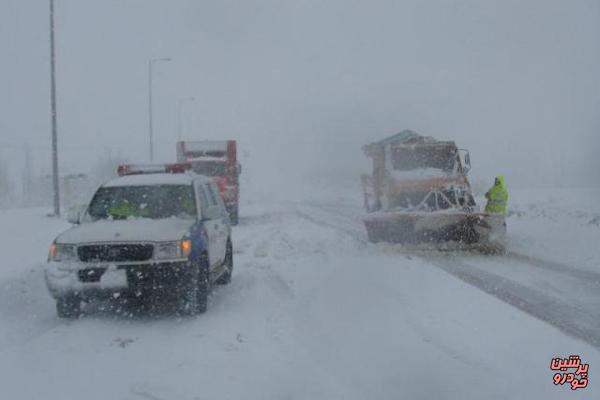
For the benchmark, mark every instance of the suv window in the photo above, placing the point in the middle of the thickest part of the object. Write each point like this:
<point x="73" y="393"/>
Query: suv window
<point x="215" y="190"/>
<point x="204" y="202"/>
<point x="213" y="197"/>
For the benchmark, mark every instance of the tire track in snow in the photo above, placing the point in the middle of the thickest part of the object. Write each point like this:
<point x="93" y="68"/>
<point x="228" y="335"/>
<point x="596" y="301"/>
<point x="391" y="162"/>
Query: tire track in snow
<point x="257" y="273"/>
<point x="584" y="275"/>
<point x="25" y="299"/>
<point x="572" y="271"/>
<point x="575" y="320"/>
<point x="355" y="234"/>
<point x="570" y="319"/>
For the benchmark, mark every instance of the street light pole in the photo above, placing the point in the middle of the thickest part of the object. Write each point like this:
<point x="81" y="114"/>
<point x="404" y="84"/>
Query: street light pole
<point x="150" y="133"/>
<point x="180" y="103"/>
<point x="55" y="182"/>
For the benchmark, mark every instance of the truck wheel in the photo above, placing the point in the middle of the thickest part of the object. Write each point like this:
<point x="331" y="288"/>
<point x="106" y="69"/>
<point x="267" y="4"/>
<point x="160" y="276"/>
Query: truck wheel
<point x="372" y="236"/>
<point x="68" y="307"/>
<point x="226" y="277"/>
<point x="192" y="297"/>
<point x="234" y="215"/>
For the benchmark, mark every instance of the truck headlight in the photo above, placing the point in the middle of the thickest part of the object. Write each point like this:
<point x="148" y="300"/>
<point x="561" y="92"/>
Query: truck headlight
<point x="172" y="250"/>
<point x="62" y="252"/>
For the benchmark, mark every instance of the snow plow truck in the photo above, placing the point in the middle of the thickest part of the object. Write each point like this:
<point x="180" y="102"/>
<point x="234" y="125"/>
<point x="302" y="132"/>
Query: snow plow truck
<point x="418" y="193"/>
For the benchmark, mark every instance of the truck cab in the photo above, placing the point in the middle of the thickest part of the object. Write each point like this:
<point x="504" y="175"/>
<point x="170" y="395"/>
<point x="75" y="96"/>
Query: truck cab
<point x="418" y="193"/>
<point x="217" y="159"/>
<point x="416" y="173"/>
<point x="157" y="231"/>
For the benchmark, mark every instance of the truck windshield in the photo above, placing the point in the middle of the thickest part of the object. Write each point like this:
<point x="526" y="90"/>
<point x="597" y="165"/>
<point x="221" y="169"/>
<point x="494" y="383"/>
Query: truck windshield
<point x="406" y="159"/>
<point x="209" y="168"/>
<point x="155" y="202"/>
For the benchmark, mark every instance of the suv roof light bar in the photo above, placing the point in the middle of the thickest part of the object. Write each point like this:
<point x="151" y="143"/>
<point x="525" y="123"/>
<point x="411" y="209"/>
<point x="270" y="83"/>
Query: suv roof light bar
<point x="139" y="169"/>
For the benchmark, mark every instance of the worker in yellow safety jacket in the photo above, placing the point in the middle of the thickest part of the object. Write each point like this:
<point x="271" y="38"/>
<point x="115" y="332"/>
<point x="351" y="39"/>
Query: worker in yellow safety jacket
<point x="123" y="210"/>
<point x="497" y="197"/>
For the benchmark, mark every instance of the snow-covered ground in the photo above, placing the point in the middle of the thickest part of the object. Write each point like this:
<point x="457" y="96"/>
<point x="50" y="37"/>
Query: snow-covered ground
<point x="315" y="312"/>
<point x="562" y="225"/>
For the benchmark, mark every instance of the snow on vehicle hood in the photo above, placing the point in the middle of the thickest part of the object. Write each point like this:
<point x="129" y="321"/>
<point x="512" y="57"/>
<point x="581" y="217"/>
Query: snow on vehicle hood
<point x="136" y="230"/>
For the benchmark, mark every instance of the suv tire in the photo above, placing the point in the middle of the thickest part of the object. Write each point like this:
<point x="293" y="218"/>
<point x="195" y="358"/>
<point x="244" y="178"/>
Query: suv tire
<point x="194" y="288"/>
<point x="225" y="278"/>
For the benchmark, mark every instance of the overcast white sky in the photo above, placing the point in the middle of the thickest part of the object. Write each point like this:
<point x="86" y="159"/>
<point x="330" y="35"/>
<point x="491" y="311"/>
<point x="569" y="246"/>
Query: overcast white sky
<point x="303" y="84"/>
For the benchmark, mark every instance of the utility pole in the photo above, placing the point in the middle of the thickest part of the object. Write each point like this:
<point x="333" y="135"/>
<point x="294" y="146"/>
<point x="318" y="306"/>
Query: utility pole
<point x="26" y="178"/>
<point x="55" y="182"/>
<point x="150" y="133"/>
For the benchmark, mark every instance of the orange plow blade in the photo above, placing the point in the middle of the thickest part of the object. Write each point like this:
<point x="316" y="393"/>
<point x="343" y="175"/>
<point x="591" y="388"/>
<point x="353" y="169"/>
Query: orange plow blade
<point x="463" y="229"/>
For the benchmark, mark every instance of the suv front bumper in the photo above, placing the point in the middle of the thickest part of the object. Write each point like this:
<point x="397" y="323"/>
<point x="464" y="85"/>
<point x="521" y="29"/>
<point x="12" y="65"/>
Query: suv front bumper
<point x="105" y="280"/>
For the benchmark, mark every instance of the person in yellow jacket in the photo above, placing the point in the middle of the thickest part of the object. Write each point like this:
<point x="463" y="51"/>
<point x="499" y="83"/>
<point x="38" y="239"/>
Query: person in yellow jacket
<point x="123" y="210"/>
<point x="497" y="197"/>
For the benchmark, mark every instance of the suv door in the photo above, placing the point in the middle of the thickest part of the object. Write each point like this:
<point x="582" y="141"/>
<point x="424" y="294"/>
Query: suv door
<point x="221" y="219"/>
<point x="209" y="223"/>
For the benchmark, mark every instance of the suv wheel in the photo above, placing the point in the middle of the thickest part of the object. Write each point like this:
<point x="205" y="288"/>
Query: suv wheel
<point x="225" y="278"/>
<point x="203" y="284"/>
<point x="194" y="288"/>
<point x="68" y="306"/>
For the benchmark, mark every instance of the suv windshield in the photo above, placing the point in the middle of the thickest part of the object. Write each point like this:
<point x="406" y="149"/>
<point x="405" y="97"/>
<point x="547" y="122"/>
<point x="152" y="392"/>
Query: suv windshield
<point x="155" y="202"/>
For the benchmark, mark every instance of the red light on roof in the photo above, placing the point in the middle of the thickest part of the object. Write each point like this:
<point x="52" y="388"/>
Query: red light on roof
<point x="123" y="170"/>
<point x="138" y="169"/>
<point x="178" y="168"/>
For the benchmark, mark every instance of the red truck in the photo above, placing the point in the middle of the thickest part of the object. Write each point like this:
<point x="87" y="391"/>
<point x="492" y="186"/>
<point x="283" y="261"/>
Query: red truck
<point x="218" y="159"/>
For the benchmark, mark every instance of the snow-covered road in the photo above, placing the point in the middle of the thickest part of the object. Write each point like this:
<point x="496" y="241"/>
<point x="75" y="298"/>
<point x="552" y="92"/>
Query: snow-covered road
<point x="313" y="311"/>
<point x="562" y="295"/>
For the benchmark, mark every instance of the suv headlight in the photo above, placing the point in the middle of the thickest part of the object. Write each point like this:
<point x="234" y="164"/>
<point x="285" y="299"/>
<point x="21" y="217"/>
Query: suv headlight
<point x="62" y="252"/>
<point x="172" y="250"/>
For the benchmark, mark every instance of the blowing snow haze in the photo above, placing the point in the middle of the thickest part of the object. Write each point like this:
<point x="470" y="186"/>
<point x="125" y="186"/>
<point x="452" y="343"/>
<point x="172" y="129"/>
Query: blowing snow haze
<point x="292" y="264"/>
<point x="303" y="84"/>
